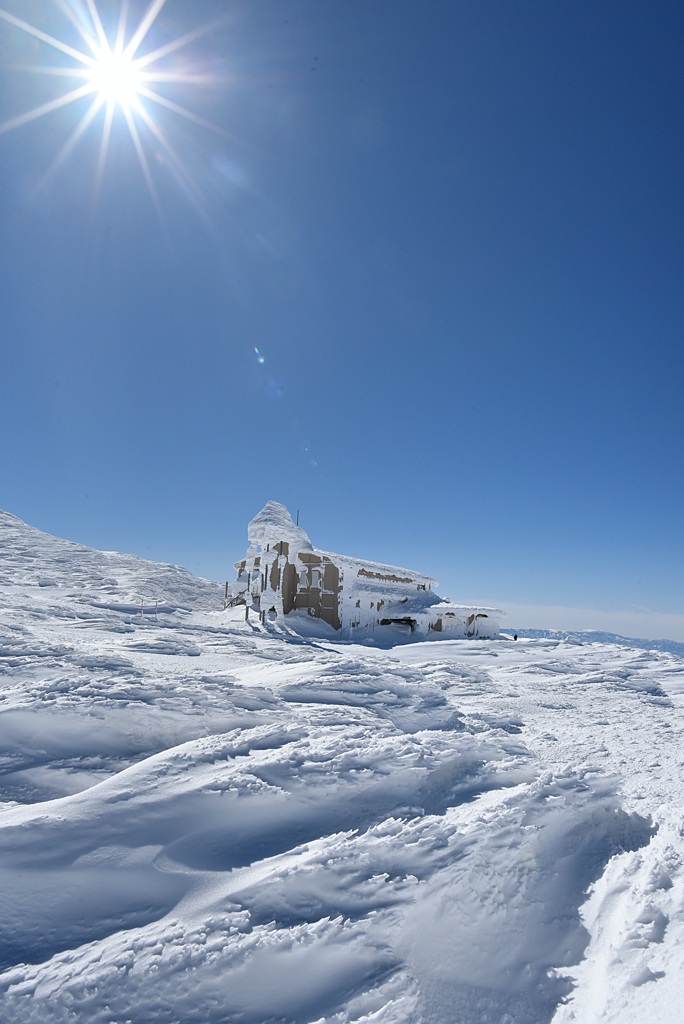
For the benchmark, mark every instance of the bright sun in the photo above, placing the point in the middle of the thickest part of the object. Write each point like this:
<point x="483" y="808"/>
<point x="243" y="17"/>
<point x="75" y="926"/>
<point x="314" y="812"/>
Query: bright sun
<point x="115" y="77"/>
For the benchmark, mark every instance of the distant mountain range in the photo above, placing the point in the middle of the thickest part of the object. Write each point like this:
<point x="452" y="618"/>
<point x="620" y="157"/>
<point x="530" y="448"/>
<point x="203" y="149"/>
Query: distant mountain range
<point x="600" y="637"/>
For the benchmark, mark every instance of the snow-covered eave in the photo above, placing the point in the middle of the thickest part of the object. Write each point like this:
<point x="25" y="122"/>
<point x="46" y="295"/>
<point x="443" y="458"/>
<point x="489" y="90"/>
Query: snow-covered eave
<point x="480" y="609"/>
<point x="427" y="602"/>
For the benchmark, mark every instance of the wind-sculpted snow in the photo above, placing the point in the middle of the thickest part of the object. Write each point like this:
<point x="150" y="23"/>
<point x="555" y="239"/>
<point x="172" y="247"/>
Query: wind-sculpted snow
<point x="205" y="820"/>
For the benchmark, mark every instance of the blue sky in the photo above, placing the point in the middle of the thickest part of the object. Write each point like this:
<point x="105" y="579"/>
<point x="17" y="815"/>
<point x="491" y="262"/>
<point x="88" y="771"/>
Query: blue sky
<point x="454" y="233"/>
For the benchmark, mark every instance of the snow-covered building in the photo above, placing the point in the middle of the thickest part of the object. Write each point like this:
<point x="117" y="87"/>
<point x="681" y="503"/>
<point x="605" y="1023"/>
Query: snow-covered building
<point x="282" y="574"/>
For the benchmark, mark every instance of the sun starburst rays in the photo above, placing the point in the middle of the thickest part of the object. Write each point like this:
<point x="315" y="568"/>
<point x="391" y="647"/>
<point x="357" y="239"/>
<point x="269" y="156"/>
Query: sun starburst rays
<point x="119" y="81"/>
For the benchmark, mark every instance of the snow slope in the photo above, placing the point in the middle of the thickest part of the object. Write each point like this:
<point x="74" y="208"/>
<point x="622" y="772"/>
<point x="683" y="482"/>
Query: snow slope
<point x="205" y="820"/>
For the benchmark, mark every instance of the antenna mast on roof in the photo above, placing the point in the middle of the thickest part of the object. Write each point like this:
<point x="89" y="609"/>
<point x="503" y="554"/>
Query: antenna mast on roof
<point x="297" y="523"/>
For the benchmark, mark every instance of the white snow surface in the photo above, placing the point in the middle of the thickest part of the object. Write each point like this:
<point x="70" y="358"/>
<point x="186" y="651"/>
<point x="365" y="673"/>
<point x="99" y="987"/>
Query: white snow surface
<point x="207" y="820"/>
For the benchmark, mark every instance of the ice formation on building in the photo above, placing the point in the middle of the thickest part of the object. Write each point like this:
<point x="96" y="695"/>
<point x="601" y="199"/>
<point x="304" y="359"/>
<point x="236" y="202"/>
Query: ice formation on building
<point x="282" y="574"/>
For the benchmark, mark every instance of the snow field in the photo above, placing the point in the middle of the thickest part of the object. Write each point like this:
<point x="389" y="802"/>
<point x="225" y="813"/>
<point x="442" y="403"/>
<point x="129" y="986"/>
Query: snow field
<point x="208" y="821"/>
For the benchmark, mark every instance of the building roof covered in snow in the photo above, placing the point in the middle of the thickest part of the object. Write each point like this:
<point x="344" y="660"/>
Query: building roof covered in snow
<point x="376" y="572"/>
